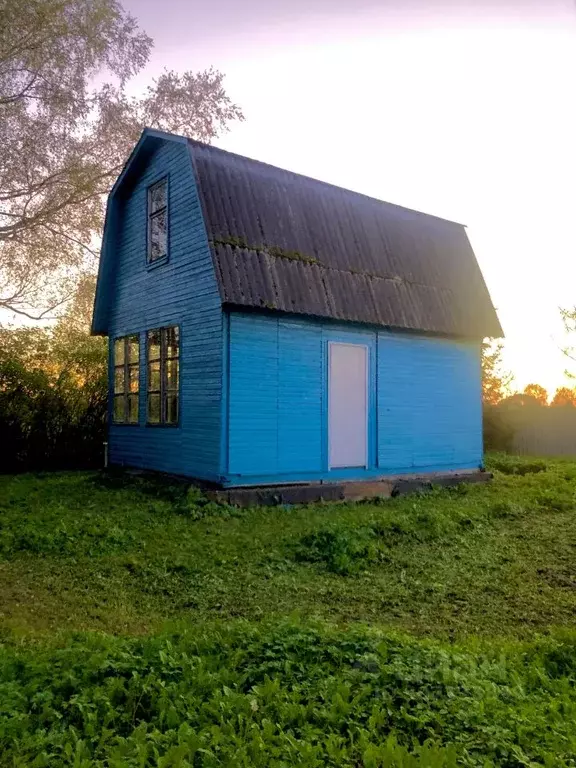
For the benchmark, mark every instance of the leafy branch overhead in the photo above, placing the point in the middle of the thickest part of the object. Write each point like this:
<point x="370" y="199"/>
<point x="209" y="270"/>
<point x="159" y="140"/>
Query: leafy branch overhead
<point x="67" y="124"/>
<point x="569" y="320"/>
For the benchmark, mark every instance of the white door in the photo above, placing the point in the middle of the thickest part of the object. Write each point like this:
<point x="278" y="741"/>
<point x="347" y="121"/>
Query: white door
<point x="347" y="405"/>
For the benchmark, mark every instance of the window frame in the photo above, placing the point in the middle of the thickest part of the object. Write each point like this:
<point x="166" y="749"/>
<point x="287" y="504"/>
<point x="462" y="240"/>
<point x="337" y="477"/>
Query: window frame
<point x="126" y="366"/>
<point x="150" y="215"/>
<point x="163" y="392"/>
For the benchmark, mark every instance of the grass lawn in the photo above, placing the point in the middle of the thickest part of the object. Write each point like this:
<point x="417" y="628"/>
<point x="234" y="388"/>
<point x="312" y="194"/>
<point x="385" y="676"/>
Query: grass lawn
<point x="145" y="626"/>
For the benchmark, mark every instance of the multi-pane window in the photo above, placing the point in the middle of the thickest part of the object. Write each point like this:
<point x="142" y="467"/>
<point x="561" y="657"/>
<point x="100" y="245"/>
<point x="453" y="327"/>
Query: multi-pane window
<point x="126" y="382"/>
<point x="163" y="375"/>
<point x="158" y="221"/>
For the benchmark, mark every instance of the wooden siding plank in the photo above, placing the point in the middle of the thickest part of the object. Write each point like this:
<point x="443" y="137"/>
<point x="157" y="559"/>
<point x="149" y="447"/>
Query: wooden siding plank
<point x="300" y="397"/>
<point x="253" y="420"/>
<point x="429" y="403"/>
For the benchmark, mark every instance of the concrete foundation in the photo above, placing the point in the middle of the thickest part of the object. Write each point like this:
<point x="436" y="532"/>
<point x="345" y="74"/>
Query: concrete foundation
<point x="385" y="487"/>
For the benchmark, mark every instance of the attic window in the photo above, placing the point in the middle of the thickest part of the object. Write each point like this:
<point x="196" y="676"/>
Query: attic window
<point x="158" y="221"/>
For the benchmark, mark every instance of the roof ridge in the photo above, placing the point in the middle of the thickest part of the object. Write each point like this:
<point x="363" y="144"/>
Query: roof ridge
<point x="213" y="147"/>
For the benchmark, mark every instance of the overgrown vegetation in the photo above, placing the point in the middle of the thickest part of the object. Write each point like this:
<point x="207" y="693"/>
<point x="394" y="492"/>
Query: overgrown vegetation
<point x="125" y="553"/>
<point x="286" y="693"/>
<point x="53" y="392"/>
<point x="145" y="625"/>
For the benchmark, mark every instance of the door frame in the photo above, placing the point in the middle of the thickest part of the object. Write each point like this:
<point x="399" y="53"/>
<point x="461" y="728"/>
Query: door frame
<point x="368" y="402"/>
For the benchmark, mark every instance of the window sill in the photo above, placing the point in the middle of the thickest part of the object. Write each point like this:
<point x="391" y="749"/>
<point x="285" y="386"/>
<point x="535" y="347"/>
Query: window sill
<point x="124" y="423"/>
<point x="156" y="263"/>
<point x="163" y="426"/>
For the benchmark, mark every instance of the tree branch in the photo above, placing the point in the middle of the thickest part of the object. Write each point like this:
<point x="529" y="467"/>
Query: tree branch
<point x="8" y="231"/>
<point x="70" y="238"/>
<point x="43" y="315"/>
<point x="17" y="96"/>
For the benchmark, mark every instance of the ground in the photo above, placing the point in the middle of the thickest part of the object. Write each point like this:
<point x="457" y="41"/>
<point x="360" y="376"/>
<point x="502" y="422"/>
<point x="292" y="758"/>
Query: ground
<point x="143" y="625"/>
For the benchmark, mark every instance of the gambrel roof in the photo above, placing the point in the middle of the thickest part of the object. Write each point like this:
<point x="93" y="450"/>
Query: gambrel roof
<point x="285" y="242"/>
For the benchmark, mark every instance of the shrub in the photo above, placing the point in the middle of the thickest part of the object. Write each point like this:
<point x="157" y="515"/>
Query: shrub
<point x="53" y="397"/>
<point x="341" y="549"/>
<point x="517" y="465"/>
<point x="48" y="424"/>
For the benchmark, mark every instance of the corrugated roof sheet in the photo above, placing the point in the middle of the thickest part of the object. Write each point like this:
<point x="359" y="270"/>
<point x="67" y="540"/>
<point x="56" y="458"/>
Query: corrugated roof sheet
<point x="286" y="242"/>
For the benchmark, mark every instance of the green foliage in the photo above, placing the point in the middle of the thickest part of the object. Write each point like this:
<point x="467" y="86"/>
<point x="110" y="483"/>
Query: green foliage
<point x="48" y="424"/>
<point x="568" y="316"/>
<point x="521" y="412"/>
<point x="53" y="397"/>
<point x="517" y="465"/>
<point x="347" y="548"/>
<point x="285" y="693"/>
<point x="498" y="431"/>
<point x="495" y="381"/>
<point x="267" y="659"/>
<point x="125" y="552"/>
<point x="497" y="427"/>
<point x="342" y="549"/>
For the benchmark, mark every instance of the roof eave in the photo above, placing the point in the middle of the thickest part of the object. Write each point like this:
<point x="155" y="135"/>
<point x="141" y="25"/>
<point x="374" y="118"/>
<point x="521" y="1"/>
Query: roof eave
<point x="233" y="306"/>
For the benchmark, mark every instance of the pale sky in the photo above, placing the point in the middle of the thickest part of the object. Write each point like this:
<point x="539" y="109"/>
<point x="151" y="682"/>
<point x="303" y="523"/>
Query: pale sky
<point x="462" y="109"/>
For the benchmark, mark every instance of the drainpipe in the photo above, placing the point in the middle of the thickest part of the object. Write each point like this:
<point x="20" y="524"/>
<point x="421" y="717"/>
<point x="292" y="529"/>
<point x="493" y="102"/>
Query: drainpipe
<point x="105" y="455"/>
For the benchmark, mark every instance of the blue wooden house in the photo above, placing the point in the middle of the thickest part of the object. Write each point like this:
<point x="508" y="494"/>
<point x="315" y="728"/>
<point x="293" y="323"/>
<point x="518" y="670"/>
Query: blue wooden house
<point x="267" y="328"/>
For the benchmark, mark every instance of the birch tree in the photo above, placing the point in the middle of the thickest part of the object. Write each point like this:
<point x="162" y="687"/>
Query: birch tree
<point x="67" y="124"/>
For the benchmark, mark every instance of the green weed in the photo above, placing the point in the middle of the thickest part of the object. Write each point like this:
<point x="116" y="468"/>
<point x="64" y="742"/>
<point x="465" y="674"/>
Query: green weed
<point x="483" y="579"/>
<point x="124" y="553"/>
<point x="342" y="549"/>
<point x="285" y="693"/>
<point x="517" y="465"/>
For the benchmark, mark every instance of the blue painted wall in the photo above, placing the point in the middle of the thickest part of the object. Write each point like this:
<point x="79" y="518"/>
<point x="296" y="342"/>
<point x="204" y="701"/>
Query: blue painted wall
<point x="429" y="403"/>
<point x="276" y="383"/>
<point x="425" y="401"/>
<point x="181" y="292"/>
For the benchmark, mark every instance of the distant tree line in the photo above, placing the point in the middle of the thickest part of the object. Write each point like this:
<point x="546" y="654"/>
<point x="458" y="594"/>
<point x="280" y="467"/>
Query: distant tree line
<point x="506" y="412"/>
